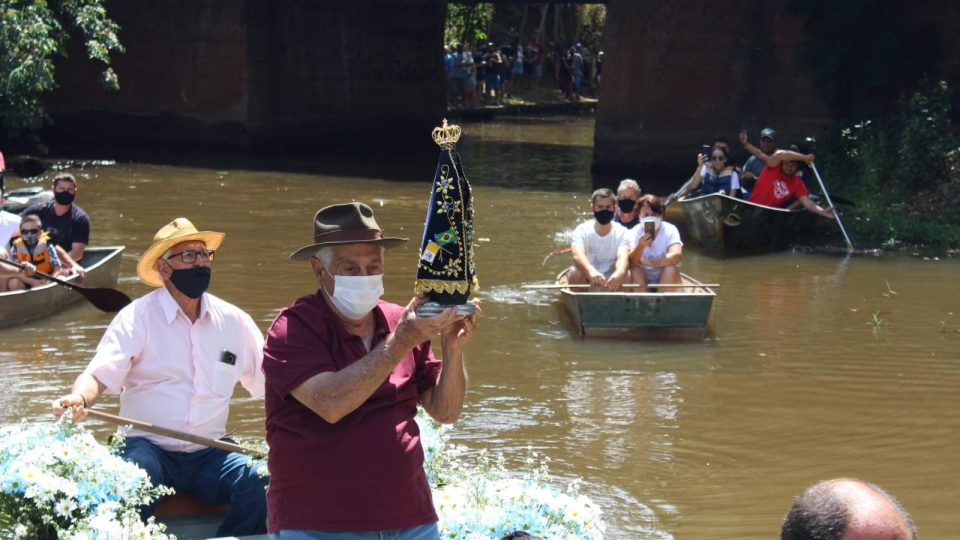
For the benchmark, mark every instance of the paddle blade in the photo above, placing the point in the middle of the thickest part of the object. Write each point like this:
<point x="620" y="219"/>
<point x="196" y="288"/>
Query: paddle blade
<point x="106" y="300"/>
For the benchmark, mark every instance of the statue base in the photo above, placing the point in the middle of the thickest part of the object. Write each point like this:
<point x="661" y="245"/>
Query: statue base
<point x="432" y="309"/>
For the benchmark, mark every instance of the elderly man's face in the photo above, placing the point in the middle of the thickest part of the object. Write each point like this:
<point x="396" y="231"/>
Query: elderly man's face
<point x="627" y="193"/>
<point x="185" y="255"/>
<point x="349" y="260"/>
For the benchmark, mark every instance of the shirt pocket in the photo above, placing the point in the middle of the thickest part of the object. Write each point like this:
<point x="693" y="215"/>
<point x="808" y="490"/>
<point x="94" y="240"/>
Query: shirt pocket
<point x="223" y="379"/>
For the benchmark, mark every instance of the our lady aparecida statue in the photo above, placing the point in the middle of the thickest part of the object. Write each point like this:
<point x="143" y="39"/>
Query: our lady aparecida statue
<point x="446" y="273"/>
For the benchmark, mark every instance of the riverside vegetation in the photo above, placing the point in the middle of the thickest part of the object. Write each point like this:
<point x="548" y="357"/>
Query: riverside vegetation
<point x="903" y="172"/>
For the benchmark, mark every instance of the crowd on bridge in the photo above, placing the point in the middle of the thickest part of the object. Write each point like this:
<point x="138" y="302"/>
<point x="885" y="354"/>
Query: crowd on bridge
<point x="486" y="73"/>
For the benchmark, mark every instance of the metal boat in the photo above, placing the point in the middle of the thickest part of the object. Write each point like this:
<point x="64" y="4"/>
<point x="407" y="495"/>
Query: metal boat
<point x="682" y="313"/>
<point x="724" y="225"/>
<point x="102" y="265"/>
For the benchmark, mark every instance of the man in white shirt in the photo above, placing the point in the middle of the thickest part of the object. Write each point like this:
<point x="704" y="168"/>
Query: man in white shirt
<point x="655" y="258"/>
<point x="175" y="355"/>
<point x="600" y="246"/>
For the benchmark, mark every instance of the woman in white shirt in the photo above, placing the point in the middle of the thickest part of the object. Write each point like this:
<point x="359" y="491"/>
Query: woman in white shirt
<point x="655" y="258"/>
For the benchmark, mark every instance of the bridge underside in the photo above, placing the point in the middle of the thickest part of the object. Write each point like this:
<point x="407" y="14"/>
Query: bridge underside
<point x="338" y="76"/>
<point x="296" y="75"/>
<point x="678" y="73"/>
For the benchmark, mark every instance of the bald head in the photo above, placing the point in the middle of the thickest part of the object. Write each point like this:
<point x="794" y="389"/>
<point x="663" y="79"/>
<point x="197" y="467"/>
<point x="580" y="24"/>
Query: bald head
<point x="847" y="509"/>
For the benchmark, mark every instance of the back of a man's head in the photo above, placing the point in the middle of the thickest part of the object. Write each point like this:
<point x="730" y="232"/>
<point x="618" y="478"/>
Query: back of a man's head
<point x="847" y="509"/>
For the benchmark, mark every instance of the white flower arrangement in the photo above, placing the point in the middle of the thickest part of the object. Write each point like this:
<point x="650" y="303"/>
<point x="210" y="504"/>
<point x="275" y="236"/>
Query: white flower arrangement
<point x="484" y="501"/>
<point x="58" y="482"/>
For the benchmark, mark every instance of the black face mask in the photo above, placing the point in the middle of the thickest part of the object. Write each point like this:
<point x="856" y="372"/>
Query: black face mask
<point x="603" y="216"/>
<point x="192" y="282"/>
<point x="626" y="205"/>
<point x="64" y="197"/>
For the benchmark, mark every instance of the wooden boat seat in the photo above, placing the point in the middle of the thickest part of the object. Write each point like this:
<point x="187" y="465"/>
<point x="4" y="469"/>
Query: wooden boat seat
<point x="186" y="505"/>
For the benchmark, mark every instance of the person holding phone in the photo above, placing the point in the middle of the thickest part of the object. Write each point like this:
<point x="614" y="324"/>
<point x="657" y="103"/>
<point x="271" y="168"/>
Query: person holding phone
<point x="714" y="174"/>
<point x="657" y="250"/>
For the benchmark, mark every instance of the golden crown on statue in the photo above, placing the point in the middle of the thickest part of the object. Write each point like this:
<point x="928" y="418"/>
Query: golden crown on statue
<point x="447" y="135"/>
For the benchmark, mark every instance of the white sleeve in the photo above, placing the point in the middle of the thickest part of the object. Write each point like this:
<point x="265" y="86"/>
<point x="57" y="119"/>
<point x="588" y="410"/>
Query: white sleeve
<point x="631" y="237"/>
<point x="121" y="343"/>
<point x="252" y="378"/>
<point x="735" y="181"/>
<point x="673" y="236"/>
<point x="577" y="238"/>
<point x="626" y="239"/>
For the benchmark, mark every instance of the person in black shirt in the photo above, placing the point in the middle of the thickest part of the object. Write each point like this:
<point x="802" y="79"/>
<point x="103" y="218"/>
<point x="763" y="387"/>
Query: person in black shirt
<point x="67" y="223"/>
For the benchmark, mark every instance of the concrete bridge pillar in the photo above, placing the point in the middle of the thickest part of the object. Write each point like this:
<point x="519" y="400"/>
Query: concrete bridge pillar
<point x="677" y="73"/>
<point x="258" y="74"/>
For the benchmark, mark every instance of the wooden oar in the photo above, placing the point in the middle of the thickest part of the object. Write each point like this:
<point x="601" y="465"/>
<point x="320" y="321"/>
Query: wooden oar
<point x="174" y="434"/>
<point x="557" y="251"/>
<point x="835" y="214"/>
<point x="673" y="196"/>
<point x="585" y="285"/>
<point x="104" y="299"/>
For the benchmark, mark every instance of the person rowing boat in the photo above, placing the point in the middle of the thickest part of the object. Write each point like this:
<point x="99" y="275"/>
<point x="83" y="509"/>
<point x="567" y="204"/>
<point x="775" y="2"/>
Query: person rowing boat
<point x="175" y="356"/>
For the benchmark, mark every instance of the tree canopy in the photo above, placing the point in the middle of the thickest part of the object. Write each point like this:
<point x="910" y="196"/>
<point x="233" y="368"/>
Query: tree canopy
<point x="32" y="33"/>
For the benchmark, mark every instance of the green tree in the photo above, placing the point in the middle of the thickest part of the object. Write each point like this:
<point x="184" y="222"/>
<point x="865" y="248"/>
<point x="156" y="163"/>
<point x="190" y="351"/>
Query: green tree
<point x="32" y="33"/>
<point x="468" y="23"/>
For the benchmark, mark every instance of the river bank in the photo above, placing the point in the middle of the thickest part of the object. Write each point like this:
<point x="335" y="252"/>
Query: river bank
<point x="539" y="100"/>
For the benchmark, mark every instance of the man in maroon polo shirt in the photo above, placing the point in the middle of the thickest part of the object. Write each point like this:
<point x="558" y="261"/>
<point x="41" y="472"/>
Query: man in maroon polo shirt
<point x="344" y="374"/>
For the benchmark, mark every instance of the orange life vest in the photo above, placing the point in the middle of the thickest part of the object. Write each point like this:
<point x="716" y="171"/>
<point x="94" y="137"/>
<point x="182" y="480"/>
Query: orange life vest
<point x="39" y="256"/>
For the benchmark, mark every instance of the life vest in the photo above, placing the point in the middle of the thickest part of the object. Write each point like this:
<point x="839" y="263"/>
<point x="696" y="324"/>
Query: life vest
<point x="39" y="257"/>
<point x="713" y="182"/>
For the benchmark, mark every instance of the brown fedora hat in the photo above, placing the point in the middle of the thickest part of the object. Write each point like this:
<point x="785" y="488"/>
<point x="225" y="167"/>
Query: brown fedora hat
<point x="350" y="223"/>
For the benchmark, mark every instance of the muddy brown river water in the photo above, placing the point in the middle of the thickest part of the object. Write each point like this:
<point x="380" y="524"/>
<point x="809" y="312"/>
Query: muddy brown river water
<point x="818" y="366"/>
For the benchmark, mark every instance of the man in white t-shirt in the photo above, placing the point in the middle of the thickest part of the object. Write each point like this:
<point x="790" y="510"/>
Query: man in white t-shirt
<point x="600" y="246"/>
<point x="655" y="259"/>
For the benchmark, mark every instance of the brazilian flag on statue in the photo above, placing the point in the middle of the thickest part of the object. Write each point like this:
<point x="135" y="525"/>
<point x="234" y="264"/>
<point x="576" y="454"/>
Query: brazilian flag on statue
<point x="446" y="273"/>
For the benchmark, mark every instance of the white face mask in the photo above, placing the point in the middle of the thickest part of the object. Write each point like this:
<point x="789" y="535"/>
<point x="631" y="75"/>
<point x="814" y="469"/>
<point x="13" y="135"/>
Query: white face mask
<point x="356" y="296"/>
<point x="655" y="219"/>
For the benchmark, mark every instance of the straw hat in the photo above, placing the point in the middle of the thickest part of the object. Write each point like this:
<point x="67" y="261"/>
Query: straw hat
<point x="178" y="230"/>
<point x="350" y="223"/>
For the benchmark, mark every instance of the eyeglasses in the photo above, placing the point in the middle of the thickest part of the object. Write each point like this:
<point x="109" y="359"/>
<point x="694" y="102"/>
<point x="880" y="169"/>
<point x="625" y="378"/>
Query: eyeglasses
<point x="29" y="231"/>
<point x="717" y="158"/>
<point x="190" y="255"/>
